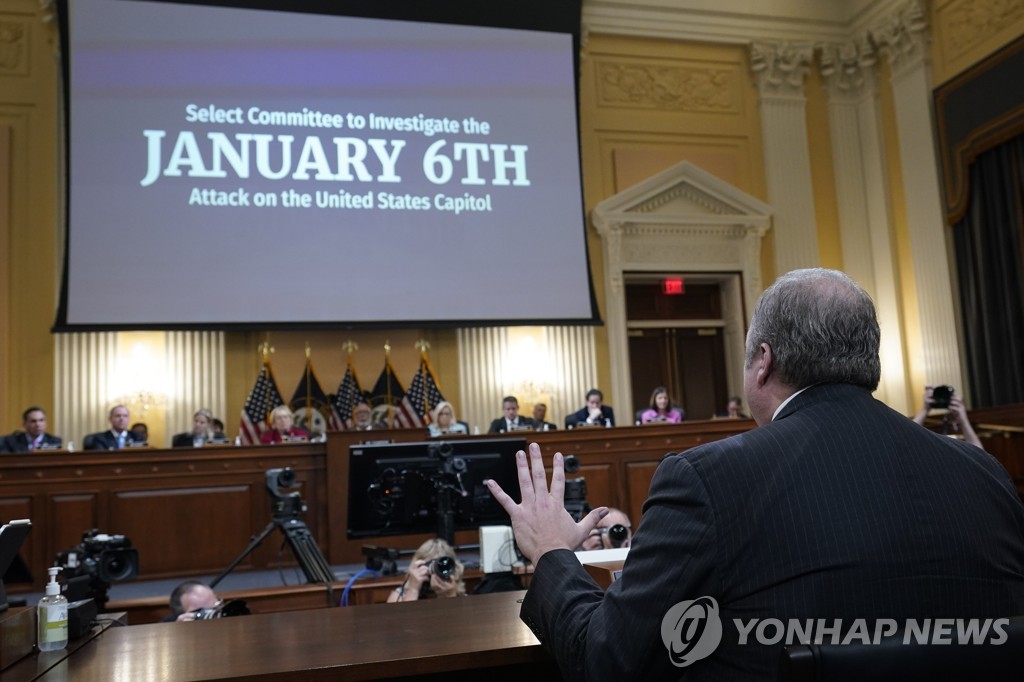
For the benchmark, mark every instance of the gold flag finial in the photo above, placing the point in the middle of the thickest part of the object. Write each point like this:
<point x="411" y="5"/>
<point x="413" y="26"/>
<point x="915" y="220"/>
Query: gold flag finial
<point x="265" y="350"/>
<point x="422" y="345"/>
<point x="350" y="346"/>
<point x="387" y="348"/>
<point x="309" y="351"/>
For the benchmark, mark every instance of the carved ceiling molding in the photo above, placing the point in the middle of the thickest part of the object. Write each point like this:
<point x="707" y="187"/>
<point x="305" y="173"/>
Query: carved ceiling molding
<point x="13" y="48"/>
<point x="848" y="67"/>
<point x="903" y="37"/>
<point x="781" y="68"/>
<point x="972" y="22"/>
<point x="668" y="87"/>
<point x="733" y="21"/>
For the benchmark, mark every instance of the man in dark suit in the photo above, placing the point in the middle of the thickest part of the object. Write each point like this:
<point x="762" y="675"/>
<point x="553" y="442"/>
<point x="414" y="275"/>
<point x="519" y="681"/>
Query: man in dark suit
<point x="540" y="413"/>
<point x="594" y="413"/>
<point x="512" y="421"/>
<point x="34" y="437"/>
<point x="835" y="507"/>
<point x="117" y="437"/>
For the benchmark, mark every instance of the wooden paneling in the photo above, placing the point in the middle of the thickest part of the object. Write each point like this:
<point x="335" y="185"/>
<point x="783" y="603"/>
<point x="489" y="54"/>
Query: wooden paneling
<point x="191" y="512"/>
<point x="638" y="482"/>
<point x="187" y="518"/>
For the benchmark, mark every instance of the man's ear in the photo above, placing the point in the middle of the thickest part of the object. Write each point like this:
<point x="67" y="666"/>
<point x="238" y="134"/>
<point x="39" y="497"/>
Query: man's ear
<point x="765" y="364"/>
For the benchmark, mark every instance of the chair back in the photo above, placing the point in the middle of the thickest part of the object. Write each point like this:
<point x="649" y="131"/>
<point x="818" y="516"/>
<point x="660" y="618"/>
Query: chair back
<point x="892" y="659"/>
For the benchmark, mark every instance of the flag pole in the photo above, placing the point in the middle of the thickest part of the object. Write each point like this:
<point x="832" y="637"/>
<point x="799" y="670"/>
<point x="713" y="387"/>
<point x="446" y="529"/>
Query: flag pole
<point x="423" y="346"/>
<point x="266" y="349"/>
<point x="387" y="373"/>
<point x="309" y="389"/>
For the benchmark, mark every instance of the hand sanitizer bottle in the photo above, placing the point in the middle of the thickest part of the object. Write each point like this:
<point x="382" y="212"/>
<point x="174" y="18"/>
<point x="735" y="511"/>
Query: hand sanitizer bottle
<point x="53" y="615"/>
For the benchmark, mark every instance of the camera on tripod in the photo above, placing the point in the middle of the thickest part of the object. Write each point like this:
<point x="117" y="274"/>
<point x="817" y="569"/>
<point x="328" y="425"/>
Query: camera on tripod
<point x="575" y="501"/>
<point x="284" y="504"/>
<point x="447" y="464"/>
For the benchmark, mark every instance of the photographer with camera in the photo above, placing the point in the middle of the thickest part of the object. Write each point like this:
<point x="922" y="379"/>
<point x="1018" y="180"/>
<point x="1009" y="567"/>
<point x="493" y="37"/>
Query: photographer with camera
<point x="190" y="598"/>
<point x="433" y="569"/>
<point x="945" y="398"/>
<point x="613" y="531"/>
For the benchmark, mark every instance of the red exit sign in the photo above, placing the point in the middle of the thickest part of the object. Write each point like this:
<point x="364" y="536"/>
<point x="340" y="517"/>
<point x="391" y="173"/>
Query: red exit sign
<point x="673" y="286"/>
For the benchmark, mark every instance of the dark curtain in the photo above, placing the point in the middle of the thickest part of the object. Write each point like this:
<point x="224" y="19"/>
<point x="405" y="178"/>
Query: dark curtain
<point x="990" y="263"/>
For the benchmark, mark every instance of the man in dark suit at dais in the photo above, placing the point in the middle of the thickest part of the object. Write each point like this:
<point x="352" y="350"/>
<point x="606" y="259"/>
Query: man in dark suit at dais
<point x="34" y="437"/>
<point x="835" y="510"/>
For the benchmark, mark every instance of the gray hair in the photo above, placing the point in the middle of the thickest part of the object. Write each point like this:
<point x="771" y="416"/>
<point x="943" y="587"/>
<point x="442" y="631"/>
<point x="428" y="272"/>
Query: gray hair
<point x="821" y="327"/>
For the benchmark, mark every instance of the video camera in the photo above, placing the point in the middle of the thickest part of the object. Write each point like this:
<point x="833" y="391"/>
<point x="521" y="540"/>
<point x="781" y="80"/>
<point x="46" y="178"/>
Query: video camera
<point x="99" y="560"/>
<point x="575" y="501"/>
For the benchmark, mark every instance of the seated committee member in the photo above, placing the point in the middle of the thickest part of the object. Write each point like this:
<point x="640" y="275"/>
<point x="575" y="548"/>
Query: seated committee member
<point x="433" y="571"/>
<point x="594" y="413"/>
<point x="836" y="511"/>
<point x="733" y="410"/>
<point x="140" y="432"/>
<point x="955" y="419"/>
<point x="34" y="436"/>
<point x="443" y="420"/>
<point x="512" y="421"/>
<point x="540" y="412"/>
<point x="661" y="409"/>
<point x="115" y="438"/>
<point x="282" y="427"/>
<point x="189" y="597"/>
<point x="362" y="419"/>
<point x="201" y="432"/>
<point x="217" y="427"/>
<point x="614" y="530"/>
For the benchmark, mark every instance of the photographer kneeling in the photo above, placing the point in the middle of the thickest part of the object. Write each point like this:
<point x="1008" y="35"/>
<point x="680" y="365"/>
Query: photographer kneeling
<point x="189" y="598"/>
<point x="433" y="569"/>
<point x="193" y="600"/>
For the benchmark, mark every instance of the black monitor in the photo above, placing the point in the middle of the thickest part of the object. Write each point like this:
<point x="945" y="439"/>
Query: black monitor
<point x="401" y="488"/>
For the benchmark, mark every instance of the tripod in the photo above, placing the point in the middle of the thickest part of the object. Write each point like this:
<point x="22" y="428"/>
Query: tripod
<point x="286" y="517"/>
<point x="304" y="547"/>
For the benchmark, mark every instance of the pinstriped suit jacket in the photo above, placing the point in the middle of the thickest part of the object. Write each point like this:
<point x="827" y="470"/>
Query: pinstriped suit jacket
<point x="840" y="508"/>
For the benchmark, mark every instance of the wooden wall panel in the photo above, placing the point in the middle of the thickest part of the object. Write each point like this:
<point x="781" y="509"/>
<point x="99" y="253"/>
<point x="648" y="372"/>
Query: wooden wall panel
<point x="191" y="512"/>
<point x="638" y="483"/>
<point x="200" y="521"/>
<point x="63" y="519"/>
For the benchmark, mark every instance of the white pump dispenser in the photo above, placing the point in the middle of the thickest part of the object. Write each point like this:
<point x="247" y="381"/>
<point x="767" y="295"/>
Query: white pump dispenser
<point x="53" y="615"/>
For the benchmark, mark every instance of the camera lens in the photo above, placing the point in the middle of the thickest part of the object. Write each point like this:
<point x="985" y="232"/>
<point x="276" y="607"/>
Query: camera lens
<point x="116" y="565"/>
<point x="443" y="566"/>
<point x="617" y="535"/>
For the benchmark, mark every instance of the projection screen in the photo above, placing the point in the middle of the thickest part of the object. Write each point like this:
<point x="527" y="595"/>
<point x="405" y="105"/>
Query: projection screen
<point x="233" y="167"/>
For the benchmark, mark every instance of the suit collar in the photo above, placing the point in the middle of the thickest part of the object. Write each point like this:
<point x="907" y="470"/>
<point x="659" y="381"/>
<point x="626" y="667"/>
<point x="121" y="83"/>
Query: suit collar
<point x="818" y="393"/>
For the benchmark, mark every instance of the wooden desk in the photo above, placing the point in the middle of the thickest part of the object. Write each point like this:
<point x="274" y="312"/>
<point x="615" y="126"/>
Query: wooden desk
<point x="478" y="637"/>
<point x="53" y="664"/>
<point x="146" y="610"/>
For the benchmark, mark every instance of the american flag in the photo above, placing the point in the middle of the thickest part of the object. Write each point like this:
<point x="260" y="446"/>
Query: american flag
<point x="423" y="395"/>
<point x="263" y="398"/>
<point x="348" y="396"/>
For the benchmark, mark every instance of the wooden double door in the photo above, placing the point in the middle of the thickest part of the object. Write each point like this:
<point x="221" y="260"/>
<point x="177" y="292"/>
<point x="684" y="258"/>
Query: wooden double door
<point x="689" y="361"/>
